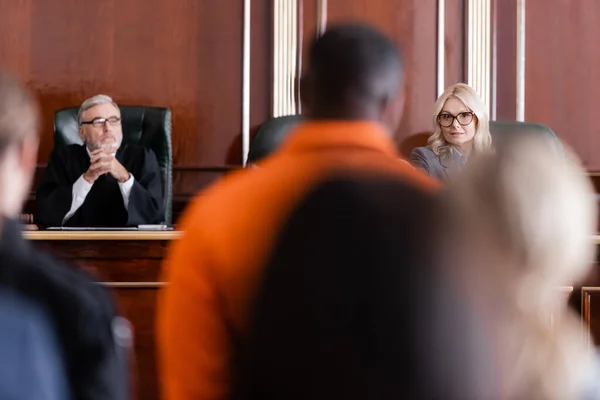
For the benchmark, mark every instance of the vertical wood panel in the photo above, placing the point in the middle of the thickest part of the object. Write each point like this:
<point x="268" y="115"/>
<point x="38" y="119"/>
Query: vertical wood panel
<point x="260" y="69"/>
<point x="505" y="23"/>
<point x="309" y="27"/>
<point x="562" y="79"/>
<point x="455" y="29"/>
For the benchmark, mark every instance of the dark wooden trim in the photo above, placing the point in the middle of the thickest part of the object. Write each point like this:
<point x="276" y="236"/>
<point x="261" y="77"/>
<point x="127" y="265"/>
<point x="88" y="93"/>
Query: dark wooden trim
<point x="505" y="52"/>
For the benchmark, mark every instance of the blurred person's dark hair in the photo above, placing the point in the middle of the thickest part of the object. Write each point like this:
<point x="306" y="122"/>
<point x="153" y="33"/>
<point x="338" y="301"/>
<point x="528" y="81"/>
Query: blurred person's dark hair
<point x="522" y="221"/>
<point x="353" y="306"/>
<point x="355" y="72"/>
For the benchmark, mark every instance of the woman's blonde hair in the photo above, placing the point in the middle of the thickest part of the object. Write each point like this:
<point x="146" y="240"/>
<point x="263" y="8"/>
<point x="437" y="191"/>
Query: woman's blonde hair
<point x="527" y="215"/>
<point x="463" y="92"/>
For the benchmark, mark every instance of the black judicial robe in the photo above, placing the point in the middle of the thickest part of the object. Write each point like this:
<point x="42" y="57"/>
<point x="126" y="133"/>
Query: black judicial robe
<point x="103" y="206"/>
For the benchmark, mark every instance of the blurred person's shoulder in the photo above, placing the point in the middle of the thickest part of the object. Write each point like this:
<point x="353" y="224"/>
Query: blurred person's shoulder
<point x="39" y="274"/>
<point x="93" y="337"/>
<point x="76" y="284"/>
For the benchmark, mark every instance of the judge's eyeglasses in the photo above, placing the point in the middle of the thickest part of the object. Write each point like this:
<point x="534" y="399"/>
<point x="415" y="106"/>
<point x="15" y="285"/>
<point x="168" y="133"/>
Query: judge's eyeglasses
<point x="100" y="122"/>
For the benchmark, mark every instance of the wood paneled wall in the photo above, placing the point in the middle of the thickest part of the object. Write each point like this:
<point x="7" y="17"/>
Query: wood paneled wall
<point x="187" y="55"/>
<point x="561" y="75"/>
<point x="182" y="54"/>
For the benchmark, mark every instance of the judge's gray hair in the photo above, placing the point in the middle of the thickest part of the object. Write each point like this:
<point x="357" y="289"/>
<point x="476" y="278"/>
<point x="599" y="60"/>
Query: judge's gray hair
<point x="94" y="101"/>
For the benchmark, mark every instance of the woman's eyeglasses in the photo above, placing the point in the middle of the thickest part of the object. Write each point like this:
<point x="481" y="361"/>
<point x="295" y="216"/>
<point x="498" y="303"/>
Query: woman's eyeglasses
<point x="446" y="119"/>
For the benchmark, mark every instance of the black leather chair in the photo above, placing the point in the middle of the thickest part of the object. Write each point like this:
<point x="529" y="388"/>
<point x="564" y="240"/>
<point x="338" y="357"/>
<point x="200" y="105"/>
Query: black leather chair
<point x="270" y="135"/>
<point x="145" y="126"/>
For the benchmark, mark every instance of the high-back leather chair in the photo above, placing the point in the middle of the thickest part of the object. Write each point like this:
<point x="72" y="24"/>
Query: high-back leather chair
<point x="270" y="135"/>
<point x="144" y="126"/>
<point x="501" y="129"/>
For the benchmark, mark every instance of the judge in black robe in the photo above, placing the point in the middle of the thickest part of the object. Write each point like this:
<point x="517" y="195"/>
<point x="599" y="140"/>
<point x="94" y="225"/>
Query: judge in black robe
<point x="104" y="205"/>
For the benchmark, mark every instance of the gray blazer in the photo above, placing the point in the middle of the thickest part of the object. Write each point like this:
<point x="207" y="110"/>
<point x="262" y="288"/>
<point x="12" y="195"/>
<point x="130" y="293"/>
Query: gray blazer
<point x="439" y="167"/>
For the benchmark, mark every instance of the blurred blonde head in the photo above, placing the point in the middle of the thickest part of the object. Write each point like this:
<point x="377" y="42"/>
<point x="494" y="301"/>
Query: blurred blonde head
<point x="527" y="215"/>
<point x="482" y="141"/>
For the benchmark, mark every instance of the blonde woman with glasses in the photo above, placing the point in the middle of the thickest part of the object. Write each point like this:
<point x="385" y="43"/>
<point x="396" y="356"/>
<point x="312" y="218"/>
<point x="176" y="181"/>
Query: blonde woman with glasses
<point x="460" y="129"/>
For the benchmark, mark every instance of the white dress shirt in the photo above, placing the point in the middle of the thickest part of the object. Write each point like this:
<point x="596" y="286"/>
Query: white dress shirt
<point x="81" y="188"/>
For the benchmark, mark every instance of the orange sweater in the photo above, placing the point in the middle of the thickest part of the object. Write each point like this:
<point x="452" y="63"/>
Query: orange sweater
<point x="229" y="230"/>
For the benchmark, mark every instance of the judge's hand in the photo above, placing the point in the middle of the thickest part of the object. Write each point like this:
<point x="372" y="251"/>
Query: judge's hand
<point x="104" y="162"/>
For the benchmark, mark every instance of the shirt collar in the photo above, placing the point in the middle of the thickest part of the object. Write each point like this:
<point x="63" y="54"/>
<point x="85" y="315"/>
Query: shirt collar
<point x="458" y="156"/>
<point x="314" y="136"/>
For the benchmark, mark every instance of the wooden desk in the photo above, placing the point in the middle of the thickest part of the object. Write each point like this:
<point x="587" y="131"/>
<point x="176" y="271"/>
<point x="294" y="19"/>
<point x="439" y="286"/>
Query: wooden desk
<point x="129" y="263"/>
<point x="101" y="235"/>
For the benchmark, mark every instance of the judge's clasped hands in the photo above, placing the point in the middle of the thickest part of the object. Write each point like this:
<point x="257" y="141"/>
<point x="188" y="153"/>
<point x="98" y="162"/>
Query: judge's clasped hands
<point x="103" y="161"/>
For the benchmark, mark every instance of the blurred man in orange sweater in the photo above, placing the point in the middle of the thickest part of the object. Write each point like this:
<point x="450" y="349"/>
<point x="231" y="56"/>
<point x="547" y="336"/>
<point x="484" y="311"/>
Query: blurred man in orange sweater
<point x="354" y="97"/>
